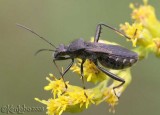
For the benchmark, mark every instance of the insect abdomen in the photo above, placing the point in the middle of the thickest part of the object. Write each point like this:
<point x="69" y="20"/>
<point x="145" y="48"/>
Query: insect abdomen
<point x="117" y="62"/>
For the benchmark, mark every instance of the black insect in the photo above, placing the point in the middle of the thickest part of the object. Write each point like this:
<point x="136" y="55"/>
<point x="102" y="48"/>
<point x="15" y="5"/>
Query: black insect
<point x="110" y="56"/>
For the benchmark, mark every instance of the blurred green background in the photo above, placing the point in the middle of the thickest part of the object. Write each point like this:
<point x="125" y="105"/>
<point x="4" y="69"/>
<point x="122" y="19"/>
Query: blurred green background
<point x="22" y="75"/>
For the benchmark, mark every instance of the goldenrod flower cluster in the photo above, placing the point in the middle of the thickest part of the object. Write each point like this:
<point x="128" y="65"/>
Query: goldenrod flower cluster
<point x="144" y="34"/>
<point x="144" y="31"/>
<point x="70" y="99"/>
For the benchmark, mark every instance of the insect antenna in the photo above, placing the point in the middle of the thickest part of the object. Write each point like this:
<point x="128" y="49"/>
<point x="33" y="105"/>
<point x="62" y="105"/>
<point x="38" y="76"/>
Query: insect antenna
<point x="40" y="50"/>
<point x="24" y="27"/>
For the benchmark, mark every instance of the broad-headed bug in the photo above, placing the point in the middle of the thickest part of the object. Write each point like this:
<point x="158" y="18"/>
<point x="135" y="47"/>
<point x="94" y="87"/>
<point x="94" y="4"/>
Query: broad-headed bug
<point x="110" y="56"/>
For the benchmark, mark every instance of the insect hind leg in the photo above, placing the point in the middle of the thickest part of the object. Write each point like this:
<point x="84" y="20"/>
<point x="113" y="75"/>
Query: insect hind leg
<point x="118" y="87"/>
<point x="99" y="31"/>
<point x="113" y="76"/>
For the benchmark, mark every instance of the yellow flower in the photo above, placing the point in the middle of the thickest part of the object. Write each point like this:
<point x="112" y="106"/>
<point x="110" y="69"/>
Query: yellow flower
<point x="74" y="99"/>
<point x="57" y="86"/>
<point x="111" y="99"/>
<point x="82" y="98"/>
<point x="55" y="106"/>
<point x="148" y="30"/>
<point x="91" y="73"/>
<point x="145" y="14"/>
<point x="133" y="31"/>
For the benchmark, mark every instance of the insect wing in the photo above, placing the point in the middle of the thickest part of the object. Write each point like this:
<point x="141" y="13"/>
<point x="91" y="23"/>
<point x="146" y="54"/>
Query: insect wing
<point x="111" y="50"/>
<point x="98" y="50"/>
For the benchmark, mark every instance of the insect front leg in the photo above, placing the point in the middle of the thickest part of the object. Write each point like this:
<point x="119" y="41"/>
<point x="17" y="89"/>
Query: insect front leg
<point x="113" y="76"/>
<point x="65" y="71"/>
<point x="57" y="59"/>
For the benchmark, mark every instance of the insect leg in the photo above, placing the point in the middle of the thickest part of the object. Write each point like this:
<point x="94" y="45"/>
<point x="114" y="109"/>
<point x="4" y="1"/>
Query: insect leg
<point x="60" y="58"/>
<point x="121" y="33"/>
<point x="99" y="28"/>
<point x="68" y="67"/>
<point x="113" y="76"/>
<point x="82" y="75"/>
<point x="98" y="32"/>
